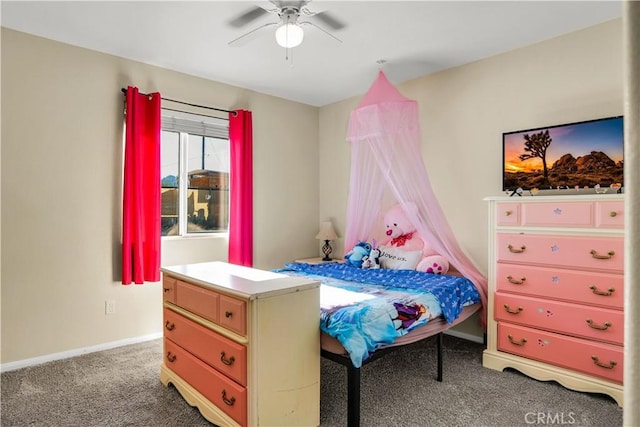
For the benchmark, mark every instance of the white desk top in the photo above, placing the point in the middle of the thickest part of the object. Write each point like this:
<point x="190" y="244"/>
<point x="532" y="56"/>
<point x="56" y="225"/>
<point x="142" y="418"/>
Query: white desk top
<point x="246" y="282"/>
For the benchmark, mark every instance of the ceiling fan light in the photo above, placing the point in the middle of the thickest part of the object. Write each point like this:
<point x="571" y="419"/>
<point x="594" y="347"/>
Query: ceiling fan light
<point x="289" y="35"/>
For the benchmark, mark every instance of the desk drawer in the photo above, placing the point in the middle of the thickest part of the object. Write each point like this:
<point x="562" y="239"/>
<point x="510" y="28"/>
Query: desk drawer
<point x="233" y="314"/>
<point x="168" y="289"/>
<point x="589" y="252"/>
<point x="592" y="358"/>
<point x="602" y="289"/>
<point x="580" y="320"/>
<point x="198" y="300"/>
<point x="218" y="389"/>
<point x="225" y="355"/>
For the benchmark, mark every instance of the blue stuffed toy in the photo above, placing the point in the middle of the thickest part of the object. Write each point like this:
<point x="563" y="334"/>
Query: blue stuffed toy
<point x="372" y="259"/>
<point x="356" y="255"/>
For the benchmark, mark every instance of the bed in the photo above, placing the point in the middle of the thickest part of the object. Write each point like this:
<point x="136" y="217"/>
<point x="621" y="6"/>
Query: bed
<point x="366" y="313"/>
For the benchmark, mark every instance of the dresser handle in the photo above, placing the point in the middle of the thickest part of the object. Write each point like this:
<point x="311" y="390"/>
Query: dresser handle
<point x="171" y="357"/>
<point x="229" y="402"/>
<point x="170" y="326"/>
<point x="520" y="343"/>
<point x="508" y="213"/>
<point x="228" y="361"/>
<point x="515" y="281"/>
<point x="594" y="254"/>
<point x="604" y="365"/>
<point x="228" y="314"/>
<point x="607" y="293"/>
<point x="613" y="214"/>
<point x="167" y="289"/>
<point x="517" y="251"/>
<point x="518" y="310"/>
<point x="602" y="327"/>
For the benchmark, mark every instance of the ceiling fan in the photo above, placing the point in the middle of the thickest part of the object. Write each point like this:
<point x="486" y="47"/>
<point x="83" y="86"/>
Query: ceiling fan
<point x="289" y="32"/>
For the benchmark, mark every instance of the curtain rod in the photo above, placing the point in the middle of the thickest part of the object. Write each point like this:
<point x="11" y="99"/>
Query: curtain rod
<point x="124" y="91"/>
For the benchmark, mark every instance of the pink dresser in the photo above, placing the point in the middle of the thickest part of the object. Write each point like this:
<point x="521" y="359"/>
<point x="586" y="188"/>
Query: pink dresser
<point x="556" y="290"/>
<point x="242" y="345"/>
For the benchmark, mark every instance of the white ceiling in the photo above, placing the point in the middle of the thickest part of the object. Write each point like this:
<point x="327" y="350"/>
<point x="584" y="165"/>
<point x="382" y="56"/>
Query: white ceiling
<point x="414" y="37"/>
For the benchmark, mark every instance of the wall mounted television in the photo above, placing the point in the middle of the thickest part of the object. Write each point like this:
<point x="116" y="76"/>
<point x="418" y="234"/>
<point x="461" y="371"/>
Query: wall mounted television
<point x="568" y="156"/>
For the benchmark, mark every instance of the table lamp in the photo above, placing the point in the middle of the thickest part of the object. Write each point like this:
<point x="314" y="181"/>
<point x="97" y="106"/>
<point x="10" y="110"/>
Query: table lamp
<point x="326" y="233"/>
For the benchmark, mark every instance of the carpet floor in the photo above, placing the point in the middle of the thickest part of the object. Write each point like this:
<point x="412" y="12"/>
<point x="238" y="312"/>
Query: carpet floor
<point x="121" y="387"/>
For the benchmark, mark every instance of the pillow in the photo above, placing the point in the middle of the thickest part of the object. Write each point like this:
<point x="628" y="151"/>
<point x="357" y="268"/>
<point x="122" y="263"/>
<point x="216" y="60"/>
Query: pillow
<point x="394" y="258"/>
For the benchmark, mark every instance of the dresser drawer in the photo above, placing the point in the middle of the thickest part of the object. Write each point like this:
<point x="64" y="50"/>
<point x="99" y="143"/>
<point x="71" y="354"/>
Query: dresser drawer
<point x="588" y="252"/>
<point x="220" y="390"/>
<point x="225" y="355"/>
<point x="554" y="214"/>
<point x="592" y="288"/>
<point x="169" y="289"/>
<point x="198" y="300"/>
<point x="597" y="323"/>
<point x="233" y="314"/>
<point x="592" y="358"/>
<point x="508" y="214"/>
<point x="610" y="214"/>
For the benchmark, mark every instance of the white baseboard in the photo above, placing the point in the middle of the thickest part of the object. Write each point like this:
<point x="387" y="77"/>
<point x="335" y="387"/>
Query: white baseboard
<point x="12" y="366"/>
<point x="464" y="336"/>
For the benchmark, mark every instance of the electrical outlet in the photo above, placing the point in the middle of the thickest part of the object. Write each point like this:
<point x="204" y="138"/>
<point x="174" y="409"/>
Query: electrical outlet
<point x="109" y="307"/>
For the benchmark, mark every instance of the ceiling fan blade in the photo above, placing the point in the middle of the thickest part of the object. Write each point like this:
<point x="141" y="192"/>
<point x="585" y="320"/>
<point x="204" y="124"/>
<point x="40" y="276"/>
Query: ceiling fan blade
<point x="329" y="20"/>
<point x="297" y="4"/>
<point x="247" y="37"/>
<point x="321" y="29"/>
<point x="261" y="8"/>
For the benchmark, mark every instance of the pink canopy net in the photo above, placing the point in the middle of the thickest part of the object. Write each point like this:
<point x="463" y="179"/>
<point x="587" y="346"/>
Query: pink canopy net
<point x="384" y="133"/>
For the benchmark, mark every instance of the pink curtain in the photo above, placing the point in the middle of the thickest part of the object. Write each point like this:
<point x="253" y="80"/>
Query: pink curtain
<point x="385" y="154"/>
<point x="141" y="189"/>
<point x="241" y="186"/>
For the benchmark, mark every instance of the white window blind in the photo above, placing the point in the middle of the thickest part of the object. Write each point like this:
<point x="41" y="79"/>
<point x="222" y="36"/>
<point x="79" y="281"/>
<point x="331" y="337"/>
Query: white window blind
<point x="178" y="121"/>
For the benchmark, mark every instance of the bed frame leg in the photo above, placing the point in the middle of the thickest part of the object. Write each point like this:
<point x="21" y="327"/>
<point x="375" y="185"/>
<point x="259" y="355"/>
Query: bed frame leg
<point x="440" y="357"/>
<point x="353" y="396"/>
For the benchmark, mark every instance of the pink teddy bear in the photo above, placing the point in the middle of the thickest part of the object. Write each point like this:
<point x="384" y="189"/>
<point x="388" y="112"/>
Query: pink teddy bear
<point x="403" y="235"/>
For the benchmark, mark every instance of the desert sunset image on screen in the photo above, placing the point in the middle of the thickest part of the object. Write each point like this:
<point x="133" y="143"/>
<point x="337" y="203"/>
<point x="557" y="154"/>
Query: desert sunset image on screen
<point x="583" y="154"/>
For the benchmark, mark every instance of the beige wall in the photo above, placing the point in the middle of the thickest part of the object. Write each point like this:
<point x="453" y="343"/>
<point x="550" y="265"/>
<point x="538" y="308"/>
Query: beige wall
<point x="464" y="111"/>
<point x="61" y="178"/>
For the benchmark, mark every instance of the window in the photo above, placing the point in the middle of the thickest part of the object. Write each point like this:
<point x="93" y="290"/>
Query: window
<point x="194" y="174"/>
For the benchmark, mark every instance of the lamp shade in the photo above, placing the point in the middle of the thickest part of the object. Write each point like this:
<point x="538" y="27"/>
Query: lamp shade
<point x="289" y="35"/>
<point x="326" y="231"/>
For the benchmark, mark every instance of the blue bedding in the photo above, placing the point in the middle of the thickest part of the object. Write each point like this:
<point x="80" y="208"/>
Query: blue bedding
<point x="365" y="309"/>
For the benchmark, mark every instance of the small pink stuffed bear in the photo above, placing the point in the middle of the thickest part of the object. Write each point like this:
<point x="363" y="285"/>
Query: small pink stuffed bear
<point x="403" y="235"/>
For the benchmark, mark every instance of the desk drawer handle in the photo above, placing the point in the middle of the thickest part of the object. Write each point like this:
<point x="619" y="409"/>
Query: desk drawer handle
<point x="606" y="293"/>
<point x="515" y="250"/>
<point x="595" y="254"/>
<point x="229" y="402"/>
<point x="515" y="281"/>
<point x="171" y="357"/>
<point x="508" y="213"/>
<point x="228" y="314"/>
<point x="228" y="361"/>
<point x="512" y="341"/>
<point x="604" y="365"/>
<point x="509" y="310"/>
<point x="167" y="289"/>
<point x="602" y="327"/>
<point x="170" y="326"/>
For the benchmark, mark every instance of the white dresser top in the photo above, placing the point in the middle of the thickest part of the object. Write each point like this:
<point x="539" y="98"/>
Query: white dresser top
<point x="569" y="197"/>
<point x="246" y="282"/>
